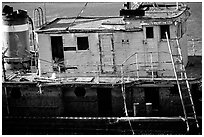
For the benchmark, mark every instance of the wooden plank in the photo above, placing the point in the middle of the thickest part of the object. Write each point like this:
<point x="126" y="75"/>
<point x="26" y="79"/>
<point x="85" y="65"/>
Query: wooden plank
<point x="108" y="80"/>
<point x="10" y="77"/>
<point x="84" y="79"/>
<point x="152" y="119"/>
<point x="118" y="119"/>
<point x="154" y="85"/>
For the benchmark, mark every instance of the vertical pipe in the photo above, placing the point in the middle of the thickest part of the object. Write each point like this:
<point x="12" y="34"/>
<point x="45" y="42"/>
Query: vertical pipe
<point x="97" y="74"/>
<point x="152" y="65"/>
<point x="45" y="13"/>
<point x="4" y="70"/>
<point x="135" y="109"/>
<point x="42" y="16"/>
<point x="177" y="5"/>
<point x="137" y="67"/>
<point x="148" y="109"/>
<point x="5" y="89"/>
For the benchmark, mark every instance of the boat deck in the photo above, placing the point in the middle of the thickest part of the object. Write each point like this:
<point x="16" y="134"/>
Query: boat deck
<point x="194" y="73"/>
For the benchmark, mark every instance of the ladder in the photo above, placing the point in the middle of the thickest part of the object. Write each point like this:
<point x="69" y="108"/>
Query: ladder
<point x="186" y="100"/>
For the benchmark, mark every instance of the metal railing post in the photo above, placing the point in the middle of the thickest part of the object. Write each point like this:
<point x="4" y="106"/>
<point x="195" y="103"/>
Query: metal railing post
<point x="152" y="65"/>
<point x="137" y="67"/>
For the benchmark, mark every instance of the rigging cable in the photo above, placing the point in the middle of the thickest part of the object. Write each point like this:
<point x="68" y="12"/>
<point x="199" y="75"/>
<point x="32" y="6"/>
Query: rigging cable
<point x="82" y="10"/>
<point x="124" y="100"/>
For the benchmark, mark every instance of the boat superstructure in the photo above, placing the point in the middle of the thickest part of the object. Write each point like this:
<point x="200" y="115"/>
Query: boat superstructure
<point x="129" y="68"/>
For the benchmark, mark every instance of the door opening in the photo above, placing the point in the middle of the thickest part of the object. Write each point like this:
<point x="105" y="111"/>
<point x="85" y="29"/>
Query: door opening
<point x="57" y="51"/>
<point x="107" y="55"/>
<point x="104" y="101"/>
<point x="152" y="96"/>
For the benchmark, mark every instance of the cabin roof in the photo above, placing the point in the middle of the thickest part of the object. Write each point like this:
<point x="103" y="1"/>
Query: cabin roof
<point x="117" y="23"/>
<point x="84" y="23"/>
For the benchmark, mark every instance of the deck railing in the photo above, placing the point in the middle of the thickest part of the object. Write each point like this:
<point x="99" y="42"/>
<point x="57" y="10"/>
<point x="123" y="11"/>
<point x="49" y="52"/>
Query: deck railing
<point x="133" y="67"/>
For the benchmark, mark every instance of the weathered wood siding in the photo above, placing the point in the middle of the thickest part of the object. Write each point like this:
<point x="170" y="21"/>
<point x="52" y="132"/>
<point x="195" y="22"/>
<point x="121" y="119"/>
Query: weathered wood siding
<point x="123" y="45"/>
<point x="85" y="60"/>
<point x="45" y="53"/>
<point x="126" y="44"/>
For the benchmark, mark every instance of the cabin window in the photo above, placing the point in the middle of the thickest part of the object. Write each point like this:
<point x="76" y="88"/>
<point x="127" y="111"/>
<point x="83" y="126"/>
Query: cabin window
<point x="163" y="30"/>
<point x="149" y="32"/>
<point x="82" y="43"/>
<point x="15" y="93"/>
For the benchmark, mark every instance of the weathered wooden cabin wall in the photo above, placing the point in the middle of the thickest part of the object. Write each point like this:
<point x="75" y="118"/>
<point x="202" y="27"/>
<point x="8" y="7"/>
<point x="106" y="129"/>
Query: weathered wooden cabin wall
<point x="86" y="60"/>
<point x="184" y="48"/>
<point x="126" y="44"/>
<point x="45" y="53"/>
<point x="122" y="45"/>
<point x="165" y="56"/>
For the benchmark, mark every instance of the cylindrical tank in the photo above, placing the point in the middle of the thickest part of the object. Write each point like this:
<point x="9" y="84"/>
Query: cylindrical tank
<point x="15" y="38"/>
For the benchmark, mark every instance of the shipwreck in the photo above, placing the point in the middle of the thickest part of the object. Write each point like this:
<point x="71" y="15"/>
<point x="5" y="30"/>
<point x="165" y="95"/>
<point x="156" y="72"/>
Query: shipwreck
<point x="125" y="69"/>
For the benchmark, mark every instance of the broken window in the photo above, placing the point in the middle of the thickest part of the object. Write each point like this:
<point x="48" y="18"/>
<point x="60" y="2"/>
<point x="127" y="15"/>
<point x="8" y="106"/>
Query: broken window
<point x="152" y="96"/>
<point x="82" y="43"/>
<point x="163" y="30"/>
<point x="149" y="32"/>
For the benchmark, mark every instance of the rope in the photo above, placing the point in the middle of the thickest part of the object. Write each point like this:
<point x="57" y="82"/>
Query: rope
<point x="124" y="100"/>
<point x="82" y="10"/>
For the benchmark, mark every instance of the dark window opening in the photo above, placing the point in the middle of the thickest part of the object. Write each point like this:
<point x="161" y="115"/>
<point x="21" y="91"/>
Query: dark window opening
<point x="164" y="29"/>
<point x="152" y="96"/>
<point x="104" y="101"/>
<point x="149" y="32"/>
<point x="15" y="93"/>
<point x="82" y="43"/>
<point x="80" y="91"/>
<point x="174" y="90"/>
<point x="69" y="48"/>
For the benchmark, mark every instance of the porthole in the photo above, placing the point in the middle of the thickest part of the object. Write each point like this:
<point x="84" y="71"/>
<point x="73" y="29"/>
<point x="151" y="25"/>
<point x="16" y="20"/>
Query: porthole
<point x="80" y="91"/>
